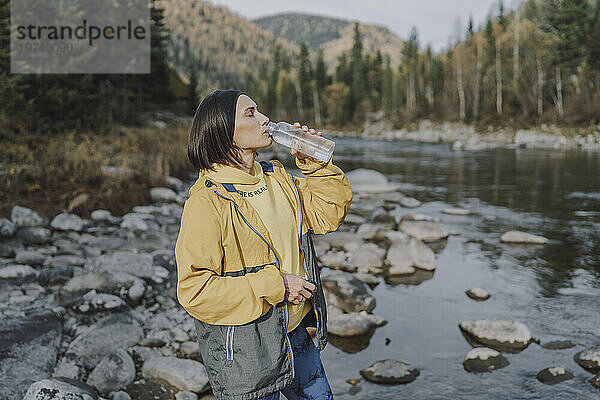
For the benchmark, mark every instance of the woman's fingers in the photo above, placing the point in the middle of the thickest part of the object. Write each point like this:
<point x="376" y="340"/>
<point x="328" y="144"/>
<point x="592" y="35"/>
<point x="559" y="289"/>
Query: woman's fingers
<point x="312" y="131"/>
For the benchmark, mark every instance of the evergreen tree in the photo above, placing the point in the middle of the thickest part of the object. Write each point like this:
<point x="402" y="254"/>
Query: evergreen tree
<point x="303" y="70"/>
<point x="192" y="98"/>
<point x="321" y="71"/>
<point x="593" y="47"/>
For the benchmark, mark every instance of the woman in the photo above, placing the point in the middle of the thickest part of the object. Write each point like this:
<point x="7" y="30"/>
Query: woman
<point x="247" y="269"/>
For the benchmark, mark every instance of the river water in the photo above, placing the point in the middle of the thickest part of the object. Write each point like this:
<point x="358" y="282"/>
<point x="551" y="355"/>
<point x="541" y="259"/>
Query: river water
<point x="553" y="289"/>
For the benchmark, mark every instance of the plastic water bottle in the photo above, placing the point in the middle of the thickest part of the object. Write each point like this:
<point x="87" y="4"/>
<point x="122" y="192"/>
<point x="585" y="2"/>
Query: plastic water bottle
<point x="295" y="138"/>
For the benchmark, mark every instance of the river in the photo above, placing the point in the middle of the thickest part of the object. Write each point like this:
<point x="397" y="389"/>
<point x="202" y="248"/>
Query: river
<point x="553" y="289"/>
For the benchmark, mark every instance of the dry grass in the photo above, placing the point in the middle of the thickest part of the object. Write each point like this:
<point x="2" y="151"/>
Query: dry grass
<point x="46" y="173"/>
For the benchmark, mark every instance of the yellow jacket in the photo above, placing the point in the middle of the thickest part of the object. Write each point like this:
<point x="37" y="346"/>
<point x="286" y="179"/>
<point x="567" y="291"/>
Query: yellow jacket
<point x="227" y="271"/>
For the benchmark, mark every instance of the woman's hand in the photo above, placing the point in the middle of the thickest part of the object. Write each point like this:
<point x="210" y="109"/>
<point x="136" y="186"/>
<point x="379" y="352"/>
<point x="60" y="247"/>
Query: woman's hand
<point x="305" y="129"/>
<point x="297" y="289"/>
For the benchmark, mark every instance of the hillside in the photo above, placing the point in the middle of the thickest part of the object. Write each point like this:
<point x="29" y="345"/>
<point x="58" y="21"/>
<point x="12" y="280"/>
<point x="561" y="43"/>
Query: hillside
<point x="226" y="47"/>
<point x="333" y="35"/>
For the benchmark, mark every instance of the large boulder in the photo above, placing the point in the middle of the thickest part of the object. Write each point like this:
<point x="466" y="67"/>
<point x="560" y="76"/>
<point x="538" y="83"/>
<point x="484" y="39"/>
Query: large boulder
<point x="347" y="292"/>
<point x="114" y="371"/>
<point x="180" y="373"/>
<point x="60" y="388"/>
<point x="29" y="345"/>
<point x="407" y="253"/>
<point x="116" y="331"/>
<point x="422" y="229"/>
<point x="498" y="334"/>
<point x="370" y="181"/>
<point x="24" y="217"/>
<point x="353" y="324"/>
<point x="68" y="222"/>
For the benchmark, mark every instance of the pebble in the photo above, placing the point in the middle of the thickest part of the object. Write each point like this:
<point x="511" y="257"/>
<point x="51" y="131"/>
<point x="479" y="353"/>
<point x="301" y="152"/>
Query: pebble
<point x="390" y="372"/>
<point x="478" y="294"/>
<point x="484" y="359"/>
<point x="554" y="375"/>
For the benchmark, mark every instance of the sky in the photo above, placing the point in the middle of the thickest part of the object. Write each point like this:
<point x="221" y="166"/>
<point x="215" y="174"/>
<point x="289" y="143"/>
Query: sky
<point x="435" y="20"/>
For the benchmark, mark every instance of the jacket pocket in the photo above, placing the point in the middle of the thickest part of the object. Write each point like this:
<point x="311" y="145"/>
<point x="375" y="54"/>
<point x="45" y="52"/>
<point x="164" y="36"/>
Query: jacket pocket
<point x="229" y="343"/>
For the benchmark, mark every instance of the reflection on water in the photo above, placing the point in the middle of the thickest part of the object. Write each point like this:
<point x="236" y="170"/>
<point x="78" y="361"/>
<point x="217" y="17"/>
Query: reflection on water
<point x="552" y="288"/>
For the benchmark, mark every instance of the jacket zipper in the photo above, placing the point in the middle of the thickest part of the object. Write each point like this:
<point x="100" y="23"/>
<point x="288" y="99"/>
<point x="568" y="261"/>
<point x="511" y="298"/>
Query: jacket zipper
<point x="303" y="255"/>
<point x="229" y="342"/>
<point x="278" y="267"/>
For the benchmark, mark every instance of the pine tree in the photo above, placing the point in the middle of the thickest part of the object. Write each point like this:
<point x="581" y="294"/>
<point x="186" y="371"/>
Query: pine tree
<point x="303" y="75"/>
<point x="593" y="49"/>
<point x="192" y="98"/>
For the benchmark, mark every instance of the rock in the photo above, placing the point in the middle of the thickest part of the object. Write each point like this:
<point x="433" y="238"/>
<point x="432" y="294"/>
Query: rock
<point x="353" y="324"/>
<point x="456" y="211"/>
<point x="56" y="275"/>
<point x="595" y="381"/>
<point x="163" y="195"/>
<point x="67" y="222"/>
<point x="589" y="359"/>
<point x="498" y="334"/>
<point x="354" y="219"/>
<point x="114" y="371"/>
<point x="370" y="255"/>
<point x="104" y="216"/>
<point x="522" y="237"/>
<point x="18" y="273"/>
<point x="104" y="282"/>
<point x="390" y="372"/>
<point x="554" y="375"/>
<point x="121" y="395"/>
<point x="30" y="257"/>
<point x="483" y="359"/>
<point x="7" y="227"/>
<point x="116" y="331"/>
<point x="93" y="302"/>
<point x="369" y="231"/>
<point x="137" y="264"/>
<point x="175" y="183"/>
<point x="34" y="235"/>
<point x="369" y="181"/>
<point x="180" y="373"/>
<point x="24" y="217"/>
<point x="407" y="253"/>
<point x="478" y="294"/>
<point x="427" y="231"/>
<point x="134" y="222"/>
<point x="367" y="278"/>
<point x="376" y="319"/>
<point x="29" y="344"/>
<point x="190" y="350"/>
<point x="351" y="294"/>
<point x="186" y="395"/>
<point x="65" y="260"/>
<point x="342" y="241"/>
<point x="60" y="389"/>
<point x="558" y="345"/>
<point x="402" y="199"/>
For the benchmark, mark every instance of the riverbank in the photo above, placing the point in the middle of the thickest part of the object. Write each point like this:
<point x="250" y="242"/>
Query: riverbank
<point x="467" y="137"/>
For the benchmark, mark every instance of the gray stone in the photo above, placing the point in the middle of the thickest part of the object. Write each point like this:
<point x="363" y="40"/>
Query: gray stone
<point x="370" y="255"/>
<point x="65" y="260"/>
<point x="478" y="294"/>
<point x="498" y="334"/>
<point x="352" y="324"/>
<point x="30" y="257"/>
<point x="116" y="331"/>
<point x="369" y="181"/>
<point x="25" y="217"/>
<point x="180" y="373"/>
<point x="120" y="395"/>
<point x="456" y="211"/>
<point x="104" y="216"/>
<point x="186" y="395"/>
<point x="60" y="389"/>
<point x="18" y="273"/>
<point x="427" y="231"/>
<point x="29" y="345"/>
<point x="595" y="381"/>
<point x="483" y="359"/>
<point x="134" y="222"/>
<point x="522" y="237"/>
<point x="138" y="264"/>
<point x="114" y="371"/>
<point x="407" y="253"/>
<point x="7" y="227"/>
<point x="34" y="235"/>
<point x="67" y="222"/>
<point x="351" y="294"/>
<point x="337" y="260"/>
<point x="390" y="372"/>
<point x="554" y="375"/>
<point x="589" y="359"/>
<point x="162" y="195"/>
<point x="558" y="345"/>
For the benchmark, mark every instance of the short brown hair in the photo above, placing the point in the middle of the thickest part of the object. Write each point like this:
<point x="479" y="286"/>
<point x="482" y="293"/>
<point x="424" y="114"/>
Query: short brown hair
<point x="209" y="141"/>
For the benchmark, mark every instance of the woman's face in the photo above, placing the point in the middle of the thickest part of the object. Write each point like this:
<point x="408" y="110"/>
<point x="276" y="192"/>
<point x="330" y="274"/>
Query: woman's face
<point x="250" y="132"/>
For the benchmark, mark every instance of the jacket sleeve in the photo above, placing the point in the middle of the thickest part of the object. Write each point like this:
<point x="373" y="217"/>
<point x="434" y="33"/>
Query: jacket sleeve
<point x="201" y="290"/>
<point x="325" y="194"/>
